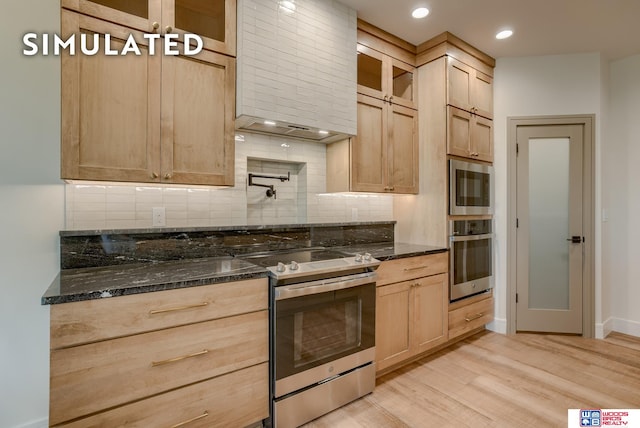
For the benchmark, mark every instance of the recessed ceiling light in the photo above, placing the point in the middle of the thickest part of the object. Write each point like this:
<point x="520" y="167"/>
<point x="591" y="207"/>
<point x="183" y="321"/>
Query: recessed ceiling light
<point x="269" y="122"/>
<point x="323" y="132"/>
<point x="420" y="12"/>
<point x="504" y="34"/>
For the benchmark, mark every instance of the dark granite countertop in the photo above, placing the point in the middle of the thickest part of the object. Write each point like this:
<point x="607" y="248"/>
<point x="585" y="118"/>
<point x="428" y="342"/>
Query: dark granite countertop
<point x="392" y="251"/>
<point x="108" y="263"/>
<point x="73" y="285"/>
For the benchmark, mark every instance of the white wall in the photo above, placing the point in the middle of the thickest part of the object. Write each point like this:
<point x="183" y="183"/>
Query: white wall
<point x="621" y="199"/>
<point x="536" y="86"/>
<point x="32" y="200"/>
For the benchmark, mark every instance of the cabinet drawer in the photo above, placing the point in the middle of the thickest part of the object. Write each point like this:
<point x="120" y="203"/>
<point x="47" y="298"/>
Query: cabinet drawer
<point x="411" y="267"/>
<point x="94" y="320"/>
<point x="234" y="400"/>
<point x="97" y="376"/>
<point x="469" y="317"/>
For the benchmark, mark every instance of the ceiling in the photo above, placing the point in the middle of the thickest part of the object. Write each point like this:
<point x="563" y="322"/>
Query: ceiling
<point x="540" y="27"/>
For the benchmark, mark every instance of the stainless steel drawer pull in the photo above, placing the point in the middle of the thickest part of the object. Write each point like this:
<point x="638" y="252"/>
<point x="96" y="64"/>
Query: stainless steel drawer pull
<point x="176" y="359"/>
<point x="415" y="268"/>
<point x="475" y="317"/>
<point x="197" y="418"/>
<point x="177" y="308"/>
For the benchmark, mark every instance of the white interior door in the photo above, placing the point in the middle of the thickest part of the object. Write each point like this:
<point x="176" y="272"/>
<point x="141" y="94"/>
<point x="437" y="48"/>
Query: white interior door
<point x="550" y="238"/>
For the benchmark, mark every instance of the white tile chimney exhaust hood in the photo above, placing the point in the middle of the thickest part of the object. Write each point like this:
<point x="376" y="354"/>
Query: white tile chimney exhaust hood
<point x="297" y="69"/>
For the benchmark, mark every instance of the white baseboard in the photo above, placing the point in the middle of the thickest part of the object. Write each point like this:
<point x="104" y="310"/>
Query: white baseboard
<point x="498" y="325"/>
<point x="38" y="423"/>
<point x="629" y="327"/>
<point x="603" y="329"/>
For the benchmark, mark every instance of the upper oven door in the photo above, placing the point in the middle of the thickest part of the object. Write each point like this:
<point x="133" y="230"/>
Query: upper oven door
<point x="470" y="188"/>
<point x="313" y="329"/>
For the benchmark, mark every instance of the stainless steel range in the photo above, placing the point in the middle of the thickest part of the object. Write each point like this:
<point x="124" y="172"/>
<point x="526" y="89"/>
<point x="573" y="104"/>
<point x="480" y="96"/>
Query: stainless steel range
<point x="322" y="332"/>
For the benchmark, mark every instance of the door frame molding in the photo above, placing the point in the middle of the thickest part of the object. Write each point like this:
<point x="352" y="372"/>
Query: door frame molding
<point x="588" y="213"/>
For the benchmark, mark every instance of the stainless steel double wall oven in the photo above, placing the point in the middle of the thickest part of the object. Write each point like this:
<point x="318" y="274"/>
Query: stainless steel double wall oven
<point x="471" y="237"/>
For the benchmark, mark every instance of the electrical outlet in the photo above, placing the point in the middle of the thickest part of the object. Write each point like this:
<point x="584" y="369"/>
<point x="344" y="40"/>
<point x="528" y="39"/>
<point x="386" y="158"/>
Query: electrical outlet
<point x="159" y="216"/>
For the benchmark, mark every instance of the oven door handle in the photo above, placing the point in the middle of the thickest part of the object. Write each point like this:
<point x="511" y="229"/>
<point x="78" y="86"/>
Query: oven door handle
<point x="323" y="286"/>
<point x="459" y="238"/>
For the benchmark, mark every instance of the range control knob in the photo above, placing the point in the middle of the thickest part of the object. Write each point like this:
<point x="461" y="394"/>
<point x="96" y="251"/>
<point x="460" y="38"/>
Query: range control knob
<point x="358" y="258"/>
<point x="281" y="267"/>
<point x="293" y="266"/>
<point x="367" y="257"/>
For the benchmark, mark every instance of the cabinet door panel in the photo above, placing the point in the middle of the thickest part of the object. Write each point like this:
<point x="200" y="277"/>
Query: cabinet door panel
<point x="110" y="107"/>
<point x="368" y="157"/>
<point x="393" y="315"/>
<point x="459" y="132"/>
<point x="483" y="95"/>
<point x="197" y="122"/>
<point x="482" y="139"/>
<point x="430" y="312"/>
<point x="138" y="14"/>
<point x="404" y="84"/>
<point x="403" y="150"/>
<point x="213" y="20"/>
<point x="460" y="80"/>
<point x="372" y="72"/>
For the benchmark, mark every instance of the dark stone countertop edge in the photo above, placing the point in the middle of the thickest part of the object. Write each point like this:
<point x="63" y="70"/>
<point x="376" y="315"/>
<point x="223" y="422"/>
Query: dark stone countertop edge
<point x="275" y="227"/>
<point x="393" y="251"/>
<point x="51" y="298"/>
<point x="381" y="251"/>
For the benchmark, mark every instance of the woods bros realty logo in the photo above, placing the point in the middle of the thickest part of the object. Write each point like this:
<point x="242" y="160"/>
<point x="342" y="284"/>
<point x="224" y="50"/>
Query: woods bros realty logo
<point x="93" y="44"/>
<point x="604" y="418"/>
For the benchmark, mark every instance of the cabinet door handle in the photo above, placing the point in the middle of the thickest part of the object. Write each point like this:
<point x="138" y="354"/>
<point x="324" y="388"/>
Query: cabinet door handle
<point x="155" y="26"/>
<point x="390" y="99"/>
<point x="475" y="317"/>
<point x="168" y="29"/>
<point x="197" y="418"/>
<point x="177" y="308"/>
<point x="168" y="176"/>
<point x="180" y="358"/>
<point x="386" y="99"/>
<point x="154" y="175"/>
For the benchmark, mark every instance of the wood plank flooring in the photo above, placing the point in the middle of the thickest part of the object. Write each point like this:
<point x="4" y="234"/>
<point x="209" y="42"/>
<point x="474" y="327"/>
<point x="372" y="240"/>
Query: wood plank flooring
<point x="492" y="380"/>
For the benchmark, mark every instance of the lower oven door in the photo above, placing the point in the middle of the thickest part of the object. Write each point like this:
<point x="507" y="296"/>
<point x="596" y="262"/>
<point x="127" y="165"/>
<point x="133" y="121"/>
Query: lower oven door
<point x="471" y="265"/>
<point x="322" y="329"/>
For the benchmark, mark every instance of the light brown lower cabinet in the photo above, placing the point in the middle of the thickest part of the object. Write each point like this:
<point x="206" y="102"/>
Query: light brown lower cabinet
<point x="465" y="316"/>
<point x="236" y="399"/>
<point x="188" y="355"/>
<point x="411" y="314"/>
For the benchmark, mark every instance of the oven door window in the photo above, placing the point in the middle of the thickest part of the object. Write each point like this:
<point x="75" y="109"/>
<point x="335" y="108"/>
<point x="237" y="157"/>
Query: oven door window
<point x="312" y="330"/>
<point x="473" y="189"/>
<point x="471" y="260"/>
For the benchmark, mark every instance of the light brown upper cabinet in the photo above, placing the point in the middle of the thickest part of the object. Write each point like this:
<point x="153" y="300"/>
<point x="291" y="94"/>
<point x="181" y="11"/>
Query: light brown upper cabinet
<point x="213" y="20"/>
<point x="146" y="118"/>
<point x="383" y="157"/>
<point x="469" y="89"/>
<point x="469" y="135"/>
<point x="384" y="153"/>
<point x="386" y="78"/>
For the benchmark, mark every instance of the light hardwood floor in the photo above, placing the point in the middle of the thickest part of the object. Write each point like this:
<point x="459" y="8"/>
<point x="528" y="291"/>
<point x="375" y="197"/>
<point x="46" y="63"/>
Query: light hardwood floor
<point x="492" y="380"/>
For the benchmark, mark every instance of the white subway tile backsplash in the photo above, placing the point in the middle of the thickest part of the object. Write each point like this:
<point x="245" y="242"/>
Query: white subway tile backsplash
<point x="301" y="200"/>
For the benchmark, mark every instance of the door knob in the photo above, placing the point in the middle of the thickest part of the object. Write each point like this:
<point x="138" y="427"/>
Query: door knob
<point x="575" y="239"/>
